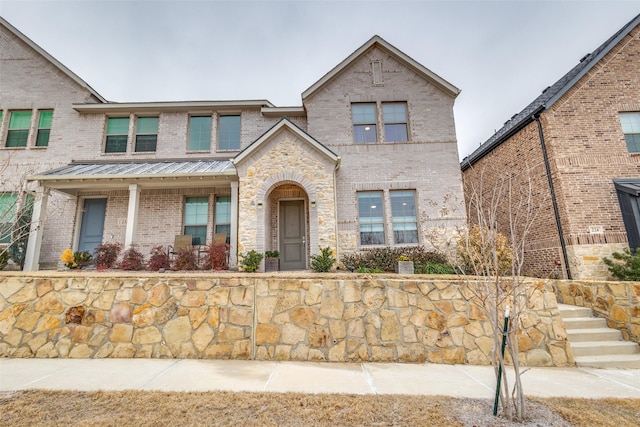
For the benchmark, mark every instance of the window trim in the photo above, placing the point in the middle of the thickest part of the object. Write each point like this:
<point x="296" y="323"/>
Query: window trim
<point x="40" y="128"/>
<point x="216" y="223"/>
<point x="219" y="129"/>
<point x="370" y="223"/>
<point x="189" y="130"/>
<point x="631" y="137"/>
<point x="395" y="221"/>
<point x="363" y="124"/>
<point x="198" y="224"/>
<point x="106" y="139"/>
<point x="144" y="134"/>
<point x="405" y="122"/>
<point x="9" y="129"/>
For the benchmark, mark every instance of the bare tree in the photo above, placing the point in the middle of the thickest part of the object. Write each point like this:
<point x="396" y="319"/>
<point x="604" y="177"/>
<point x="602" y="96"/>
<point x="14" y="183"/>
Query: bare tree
<point x="16" y="206"/>
<point x="492" y="252"/>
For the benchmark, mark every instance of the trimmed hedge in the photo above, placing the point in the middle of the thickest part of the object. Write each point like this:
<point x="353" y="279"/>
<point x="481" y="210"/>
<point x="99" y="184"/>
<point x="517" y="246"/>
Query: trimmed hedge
<point x="385" y="259"/>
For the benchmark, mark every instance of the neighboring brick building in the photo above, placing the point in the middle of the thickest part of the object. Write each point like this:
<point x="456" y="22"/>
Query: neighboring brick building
<point x="588" y="126"/>
<point x="367" y="160"/>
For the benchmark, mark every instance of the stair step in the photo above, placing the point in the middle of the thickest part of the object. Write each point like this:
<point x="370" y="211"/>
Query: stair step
<point x="585" y="323"/>
<point x="593" y="334"/>
<point x="600" y="348"/>
<point x="568" y="311"/>
<point x="623" y="361"/>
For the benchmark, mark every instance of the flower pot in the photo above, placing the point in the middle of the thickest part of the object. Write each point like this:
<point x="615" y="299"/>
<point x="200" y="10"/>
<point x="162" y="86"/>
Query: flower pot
<point x="404" y="267"/>
<point x="271" y="264"/>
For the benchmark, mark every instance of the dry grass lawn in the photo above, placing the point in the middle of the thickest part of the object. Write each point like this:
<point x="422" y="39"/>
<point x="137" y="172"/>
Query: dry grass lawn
<point x="40" y="408"/>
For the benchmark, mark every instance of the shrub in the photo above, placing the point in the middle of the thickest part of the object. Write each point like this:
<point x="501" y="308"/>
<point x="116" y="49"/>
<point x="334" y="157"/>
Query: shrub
<point x="106" y="255"/>
<point x="385" y="258"/>
<point x="369" y="270"/>
<point x="323" y="262"/>
<point x="251" y="261"/>
<point x="433" y="268"/>
<point x="625" y="265"/>
<point x="272" y="254"/>
<point x="216" y="258"/>
<point x="4" y="258"/>
<point x="159" y="259"/>
<point x="186" y="259"/>
<point x="132" y="259"/>
<point x="75" y="259"/>
<point x="477" y="253"/>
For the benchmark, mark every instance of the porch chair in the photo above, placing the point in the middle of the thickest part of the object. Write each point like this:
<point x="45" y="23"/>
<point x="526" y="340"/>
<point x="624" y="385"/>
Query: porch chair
<point x="181" y="241"/>
<point x="222" y="238"/>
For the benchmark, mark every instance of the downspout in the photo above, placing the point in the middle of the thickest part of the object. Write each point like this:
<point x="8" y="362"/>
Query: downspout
<point x="335" y="207"/>
<point x="554" y="201"/>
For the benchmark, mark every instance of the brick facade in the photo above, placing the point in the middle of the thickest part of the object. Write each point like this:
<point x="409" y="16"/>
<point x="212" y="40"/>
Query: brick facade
<point x="288" y="163"/>
<point x="587" y="151"/>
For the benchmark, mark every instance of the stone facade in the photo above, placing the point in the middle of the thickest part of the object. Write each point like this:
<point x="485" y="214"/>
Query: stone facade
<point x="337" y="318"/>
<point x="618" y="302"/>
<point x="586" y="151"/>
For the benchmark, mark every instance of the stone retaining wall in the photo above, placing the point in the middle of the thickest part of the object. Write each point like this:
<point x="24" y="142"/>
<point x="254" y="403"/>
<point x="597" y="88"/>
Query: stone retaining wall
<point x="618" y="302"/>
<point x="336" y="318"/>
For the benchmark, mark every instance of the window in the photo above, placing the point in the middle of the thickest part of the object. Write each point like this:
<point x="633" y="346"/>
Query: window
<point x="371" y="218"/>
<point x="199" y="133"/>
<point x="146" y="134"/>
<point x="7" y="215"/>
<point x="631" y="129"/>
<point x="44" y="128"/>
<point x="394" y="116"/>
<point x="223" y="216"/>
<point x="403" y="213"/>
<point x="19" y="124"/>
<point x="196" y="212"/>
<point x="229" y="133"/>
<point x="117" y="134"/>
<point x="364" y="123"/>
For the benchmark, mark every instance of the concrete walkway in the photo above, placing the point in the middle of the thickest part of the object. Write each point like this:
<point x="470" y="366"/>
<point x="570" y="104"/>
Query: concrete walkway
<point x="306" y="377"/>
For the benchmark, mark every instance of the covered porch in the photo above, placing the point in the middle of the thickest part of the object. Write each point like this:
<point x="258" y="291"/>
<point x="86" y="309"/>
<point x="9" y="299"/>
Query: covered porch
<point x="138" y="203"/>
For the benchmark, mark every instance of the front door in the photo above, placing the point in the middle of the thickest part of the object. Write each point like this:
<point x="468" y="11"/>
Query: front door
<point x="92" y="226"/>
<point x="293" y="251"/>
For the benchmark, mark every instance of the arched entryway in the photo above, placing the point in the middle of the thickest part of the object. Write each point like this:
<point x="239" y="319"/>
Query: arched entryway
<point x="287" y="228"/>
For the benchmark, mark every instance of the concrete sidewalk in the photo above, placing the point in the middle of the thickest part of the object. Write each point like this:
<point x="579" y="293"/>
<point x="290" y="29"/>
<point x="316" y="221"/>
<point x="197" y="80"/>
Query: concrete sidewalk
<point x="306" y="377"/>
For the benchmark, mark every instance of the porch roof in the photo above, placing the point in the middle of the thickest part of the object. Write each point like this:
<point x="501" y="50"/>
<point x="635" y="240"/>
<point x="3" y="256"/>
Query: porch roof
<point x="118" y="175"/>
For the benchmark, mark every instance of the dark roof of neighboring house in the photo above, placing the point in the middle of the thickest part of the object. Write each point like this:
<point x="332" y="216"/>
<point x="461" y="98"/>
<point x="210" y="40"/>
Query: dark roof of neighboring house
<point x="549" y="96"/>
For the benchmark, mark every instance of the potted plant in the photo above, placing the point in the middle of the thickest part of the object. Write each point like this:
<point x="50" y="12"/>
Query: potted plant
<point x="271" y="261"/>
<point x="404" y="265"/>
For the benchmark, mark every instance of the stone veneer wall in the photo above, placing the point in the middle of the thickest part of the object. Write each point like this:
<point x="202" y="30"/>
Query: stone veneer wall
<point x="618" y="302"/>
<point x="336" y="318"/>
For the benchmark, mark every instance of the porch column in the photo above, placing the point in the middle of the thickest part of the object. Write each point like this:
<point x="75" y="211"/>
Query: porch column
<point x="32" y="255"/>
<point x="233" y="237"/>
<point x="132" y="214"/>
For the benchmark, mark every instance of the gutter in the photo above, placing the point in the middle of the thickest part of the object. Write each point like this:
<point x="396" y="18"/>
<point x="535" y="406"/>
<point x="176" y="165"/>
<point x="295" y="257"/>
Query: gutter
<point x="554" y="201"/>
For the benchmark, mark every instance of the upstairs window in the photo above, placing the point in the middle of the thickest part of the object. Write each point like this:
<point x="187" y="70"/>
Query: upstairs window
<point x="371" y="217"/>
<point x="631" y="128"/>
<point x="146" y="134"/>
<point x="117" y="134"/>
<point x="19" y="125"/>
<point x="403" y="213"/>
<point x="229" y="132"/>
<point x="223" y="216"/>
<point x="199" y="133"/>
<point x="44" y="128"/>
<point x="364" y="123"/>
<point x="196" y="213"/>
<point x="394" y="115"/>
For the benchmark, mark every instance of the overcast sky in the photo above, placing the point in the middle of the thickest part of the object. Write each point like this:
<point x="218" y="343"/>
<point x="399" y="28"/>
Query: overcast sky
<point x="501" y="54"/>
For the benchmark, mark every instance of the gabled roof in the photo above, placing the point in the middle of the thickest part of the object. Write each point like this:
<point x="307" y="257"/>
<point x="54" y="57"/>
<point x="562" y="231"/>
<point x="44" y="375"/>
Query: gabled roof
<point x="285" y="123"/>
<point x="51" y="59"/>
<point x="549" y="96"/>
<point x="400" y="56"/>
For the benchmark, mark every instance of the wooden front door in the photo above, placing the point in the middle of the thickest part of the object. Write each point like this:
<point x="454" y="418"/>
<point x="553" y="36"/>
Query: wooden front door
<point x="293" y="247"/>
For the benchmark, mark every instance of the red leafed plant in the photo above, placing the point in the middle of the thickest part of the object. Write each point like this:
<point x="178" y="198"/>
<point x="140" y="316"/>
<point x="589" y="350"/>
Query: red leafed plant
<point x="216" y="258"/>
<point x="159" y="259"/>
<point x="132" y="259"/>
<point x="186" y="259"/>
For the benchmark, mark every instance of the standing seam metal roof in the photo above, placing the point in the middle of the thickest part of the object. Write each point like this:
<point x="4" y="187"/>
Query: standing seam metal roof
<point x="141" y="168"/>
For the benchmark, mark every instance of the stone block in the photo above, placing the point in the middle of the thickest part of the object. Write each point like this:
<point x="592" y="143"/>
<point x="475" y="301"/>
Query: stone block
<point x="242" y="296"/>
<point x="267" y="334"/>
<point x="159" y="294"/>
<point x="148" y="335"/>
<point x="121" y="332"/>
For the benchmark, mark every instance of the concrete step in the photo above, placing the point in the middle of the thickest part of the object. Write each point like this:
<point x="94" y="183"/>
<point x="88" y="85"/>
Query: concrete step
<point x="569" y="311"/>
<point x="620" y="361"/>
<point x="593" y="334"/>
<point x="585" y="323"/>
<point x="600" y="348"/>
